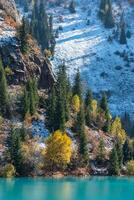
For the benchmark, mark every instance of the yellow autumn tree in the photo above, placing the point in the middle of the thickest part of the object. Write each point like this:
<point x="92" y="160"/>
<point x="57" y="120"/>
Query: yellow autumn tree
<point x="58" y="151"/>
<point x="117" y="130"/>
<point x="94" y="108"/>
<point x="76" y="103"/>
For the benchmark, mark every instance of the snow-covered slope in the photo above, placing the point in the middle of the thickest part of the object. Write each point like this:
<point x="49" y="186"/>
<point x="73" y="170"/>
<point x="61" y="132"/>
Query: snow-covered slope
<point x="86" y="47"/>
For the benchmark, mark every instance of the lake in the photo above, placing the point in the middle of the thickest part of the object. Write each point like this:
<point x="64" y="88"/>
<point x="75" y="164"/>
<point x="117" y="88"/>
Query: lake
<point x="94" y="188"/>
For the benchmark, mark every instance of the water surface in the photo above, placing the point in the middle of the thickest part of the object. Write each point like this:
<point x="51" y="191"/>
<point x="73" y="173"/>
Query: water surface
<point x="94" y="188"/>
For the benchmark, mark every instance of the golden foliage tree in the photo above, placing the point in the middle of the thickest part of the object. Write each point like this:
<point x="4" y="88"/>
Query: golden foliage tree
<point x="76" y="103"/>
<point x="117" y="130"/>
<point x="58" y="151"/>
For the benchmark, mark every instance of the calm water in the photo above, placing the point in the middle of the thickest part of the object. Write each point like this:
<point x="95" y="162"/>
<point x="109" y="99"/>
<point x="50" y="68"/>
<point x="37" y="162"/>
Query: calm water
<point x="94" y="188"/>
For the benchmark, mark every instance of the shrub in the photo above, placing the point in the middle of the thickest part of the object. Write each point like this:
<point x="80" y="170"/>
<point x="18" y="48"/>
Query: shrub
<point x="9" y="171"/>
<point x="130" y="168"/>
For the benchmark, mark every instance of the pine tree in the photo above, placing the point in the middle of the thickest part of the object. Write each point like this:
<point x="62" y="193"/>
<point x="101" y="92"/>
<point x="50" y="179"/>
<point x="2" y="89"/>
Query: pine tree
<point x="81" y="135"/>
<point x="119" y="151"/>
<point x="108" y="19"/>
<point x="30" y="99"/>
<point x="88" y="106"/>
<point x="88" y="98"/>
<point x="72" y="7"/>
<point x="105" y="109"/>
<point x="102" y="9"/>
<point x="77" y="89"/>
<point x="51" y="110"/>
<point x="114" y="163"/>
<point x="4" y="98"/>
<point x="123" y="39"/>
<point x="23" y="37"/>
<point x="127" y="151"/>
<point x="101" y="151"/>
<point x="14" y="146"/>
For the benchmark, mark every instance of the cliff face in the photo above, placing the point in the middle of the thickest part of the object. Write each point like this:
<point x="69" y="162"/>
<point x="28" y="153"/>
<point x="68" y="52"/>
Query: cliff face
<point x="8" y="8"/>
<point x="22" y="66"/>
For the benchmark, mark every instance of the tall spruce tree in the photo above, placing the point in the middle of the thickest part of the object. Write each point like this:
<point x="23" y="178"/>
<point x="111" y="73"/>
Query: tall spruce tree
<point x="14" y="147"/>
<point x="30" y="99"/>
<point x="81" y="135"/>
<point x="108" y="19"/>
<point x="114" y="163"/>
<point x="77" y="88"/>
<point x="123" y="39"/>
<point x="23" y="36"/>
<point x="88" y="107"/>
<point x="119" y="150"/>
<point x="72" y="7"/>
<point x="127" y="151"/>
<point x="4" y="98"/>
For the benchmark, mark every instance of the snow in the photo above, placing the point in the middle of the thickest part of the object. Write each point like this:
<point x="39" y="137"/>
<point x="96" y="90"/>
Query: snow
<point x="7" y="33"/>
<point x="39" y="128"/>
<point x="86" y="47"/>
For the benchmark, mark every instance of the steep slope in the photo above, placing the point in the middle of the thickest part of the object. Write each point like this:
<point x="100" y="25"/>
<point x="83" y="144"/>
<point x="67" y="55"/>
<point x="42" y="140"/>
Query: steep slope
<point x="22" y="66"/>
<point x="105" y="66"/>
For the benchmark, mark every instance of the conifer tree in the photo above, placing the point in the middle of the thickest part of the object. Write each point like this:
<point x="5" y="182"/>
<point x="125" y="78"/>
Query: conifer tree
<point x="72" y="7"/>
<point x="88" y="98"/>
<point x="101" y="151"/>
<point x="102" y="9"/>
<point x="81" y="134"/>
<point x="108" y="20"/>
<point x="23" y="37"/>
<point x="88" y="106"/>
<point x="119" y="150"/>
<point x="123" y="39"/>
<point x="4" y="103"/>
<point x="30" y="97"/>
<point x="77" y="89"/>
<point x="14" y="146"/>
<point x="127" y="151"/>
<point x="114" y="163"/>
<point x="105" y="109"/>
<point x="51" y="110"/>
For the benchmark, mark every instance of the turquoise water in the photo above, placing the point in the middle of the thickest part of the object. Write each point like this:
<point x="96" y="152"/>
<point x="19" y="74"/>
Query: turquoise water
<point x="94" y="188"/>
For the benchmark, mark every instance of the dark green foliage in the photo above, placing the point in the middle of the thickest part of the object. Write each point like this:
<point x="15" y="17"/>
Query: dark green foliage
<point x="42" y="27"/>
<point x="114" y="163"/>
<point x="104" y="107"/>
<point x="14" y="145"/>
<point x="58" y="102"/>
<point x="30" y="97"/>
<point x="23" y="36"/>
<point x="119" y="150"/>
<point x="81" y="134"/>
<point x="77" y="88"/>
<point x="88" y="109"/>
<point x="123" y="39"/>
<point x="88" y="98"/>
<point x="127" y="151"/>
<point x="102" y="8"/>
<point x="72" y="7"/>
<point x="4" y="97"/>
<point x="105" y="13"/>
<point x="108" y="21"/>
<point x="51" y="110"/>
<point x="101" y="152"/>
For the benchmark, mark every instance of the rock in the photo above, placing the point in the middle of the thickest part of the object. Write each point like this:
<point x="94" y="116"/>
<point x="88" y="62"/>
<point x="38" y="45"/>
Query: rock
<point x="8" y="8"/>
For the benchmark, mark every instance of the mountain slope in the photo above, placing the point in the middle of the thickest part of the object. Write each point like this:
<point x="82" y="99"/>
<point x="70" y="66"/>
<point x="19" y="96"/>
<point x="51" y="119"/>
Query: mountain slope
<point x="86" y="47"/>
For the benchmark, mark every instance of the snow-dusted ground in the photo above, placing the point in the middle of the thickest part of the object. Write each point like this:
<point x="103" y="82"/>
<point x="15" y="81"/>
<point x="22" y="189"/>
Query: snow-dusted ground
<point x="7" y="33"/>
<point x="86" y="47"/>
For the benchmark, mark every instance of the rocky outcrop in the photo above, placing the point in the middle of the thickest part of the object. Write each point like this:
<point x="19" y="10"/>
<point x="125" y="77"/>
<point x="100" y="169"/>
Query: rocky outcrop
<point x="8" y="8"/>
<point x="20" y="66"/>
<point x="32" y="64"/>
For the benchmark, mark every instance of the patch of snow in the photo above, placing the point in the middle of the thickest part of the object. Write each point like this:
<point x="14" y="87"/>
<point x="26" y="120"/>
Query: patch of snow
<point x="86" y="47"/>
